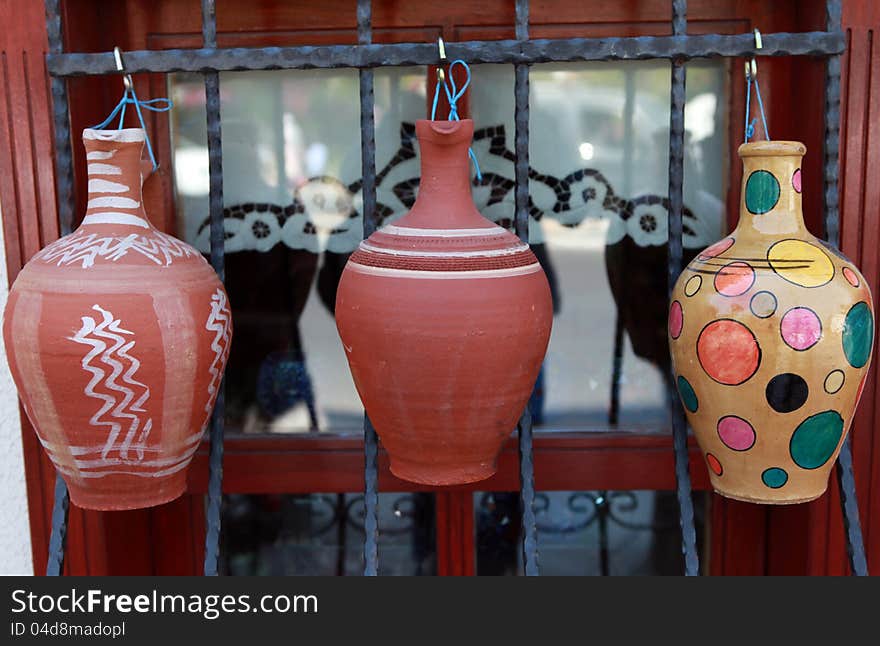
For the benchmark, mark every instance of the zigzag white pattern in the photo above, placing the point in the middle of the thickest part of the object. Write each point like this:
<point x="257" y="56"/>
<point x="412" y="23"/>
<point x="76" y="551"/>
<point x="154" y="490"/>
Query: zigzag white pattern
<point x="219" y="322"/>
<point x="91" y="334"/>
<point x="86" y="248"/>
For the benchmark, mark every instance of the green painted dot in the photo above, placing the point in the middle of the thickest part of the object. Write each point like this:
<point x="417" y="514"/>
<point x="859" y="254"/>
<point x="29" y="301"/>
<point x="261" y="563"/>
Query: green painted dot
<point x="762" y="192"/>
<point x="815" y="439"/>
<point x="858" y="334"/>
<point x="774" y="477"/>
<point x="688" y="396"/>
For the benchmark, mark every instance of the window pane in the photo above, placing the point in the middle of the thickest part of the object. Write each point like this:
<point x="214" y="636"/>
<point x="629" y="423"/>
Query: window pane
<point x="323" y="534"/>
<point x="598" y="153"/>
<point x="589" y="533"/>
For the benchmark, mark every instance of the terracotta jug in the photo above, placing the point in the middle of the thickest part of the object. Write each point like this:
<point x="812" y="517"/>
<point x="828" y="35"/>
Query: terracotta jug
<point x="445" y="318"/>
<point x="771" y="334"/>
<point x="117" y="336"/>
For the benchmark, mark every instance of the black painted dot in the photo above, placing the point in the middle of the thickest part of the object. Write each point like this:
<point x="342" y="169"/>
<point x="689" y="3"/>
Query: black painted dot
<point x="787" y="392"/>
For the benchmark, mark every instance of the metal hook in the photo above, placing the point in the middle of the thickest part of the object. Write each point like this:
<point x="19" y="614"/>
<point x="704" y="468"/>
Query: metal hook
<point x="126" y="78"/>
<point x="752" y="65"/>
<point x="441" y="46"/>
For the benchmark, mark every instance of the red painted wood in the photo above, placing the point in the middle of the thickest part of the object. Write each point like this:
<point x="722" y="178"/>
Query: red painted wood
<point x="603" y="460"/>
<point x="456" y="554"/>
<point x="563" y="461"/>
<point x="860" y="240"/>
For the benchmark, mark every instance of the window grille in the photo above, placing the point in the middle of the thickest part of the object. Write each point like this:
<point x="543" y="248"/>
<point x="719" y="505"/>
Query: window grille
<point x="521" y="52"/>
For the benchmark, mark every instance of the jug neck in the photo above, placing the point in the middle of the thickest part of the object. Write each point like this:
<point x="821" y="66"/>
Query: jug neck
<point x="115" y="172"/>
<point x="770" y="198"/>
<point x="444" y="200"/>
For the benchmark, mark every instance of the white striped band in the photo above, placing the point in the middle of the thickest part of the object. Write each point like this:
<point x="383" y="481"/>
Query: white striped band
<point x="125" y="135"/>
<point x="112" y="202"/>
<point x="394" y="230"/>
<point x="103" y="169"/>
<point x="444" y="275"/>
<point x="140" y="474"/>
<point x="366" y="246"/>
<point x="100" y="154"/>
<point x="112" y="217"/>
<point x="106" y="186"/>
<point x="195" y="438"/>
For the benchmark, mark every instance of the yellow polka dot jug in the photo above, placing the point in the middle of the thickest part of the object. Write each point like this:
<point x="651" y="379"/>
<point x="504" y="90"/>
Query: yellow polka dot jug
<point x="771" y="333"/>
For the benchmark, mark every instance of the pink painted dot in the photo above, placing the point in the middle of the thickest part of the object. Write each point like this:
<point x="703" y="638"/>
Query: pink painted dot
<point x="716" y="249"/>
<point x="796" y="180"/>
<point x="800" y="328"/>
<point x="851" y="276"/>
<point x="734" y="279"/>
<point x="676" y="320"/>
<point x="736" y="433"/>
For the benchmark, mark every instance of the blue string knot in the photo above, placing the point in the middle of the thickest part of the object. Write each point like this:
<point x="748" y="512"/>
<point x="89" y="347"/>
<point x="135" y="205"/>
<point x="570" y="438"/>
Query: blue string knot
<point x="130" y="98"/>
<point x="453" y="94"/>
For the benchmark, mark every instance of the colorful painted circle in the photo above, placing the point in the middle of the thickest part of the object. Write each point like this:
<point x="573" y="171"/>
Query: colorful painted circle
<point x="815" y="439"/>
<point x="716" y="249"/>
<point x="728" y="352"/>
<point x="787" y="392"/>
<point x="762" y="192"/>
<point x="763" y="304"/>
<point x="687" y="394"/>
<point x="774" y="477"/>
<point x="801" y="263"/>
<point x="796" y="181"/>
<point x="714" y="464"/>
<point x="851" y="277"/>
<point x="736" y="433"/>
<point x="801" y="328"/>
<point x="734" y="279"/>
<point x="676" y="320"/>
<point x="834" y="381"/>
<point x="858" y="334"/>
<point x="692" y="286"/>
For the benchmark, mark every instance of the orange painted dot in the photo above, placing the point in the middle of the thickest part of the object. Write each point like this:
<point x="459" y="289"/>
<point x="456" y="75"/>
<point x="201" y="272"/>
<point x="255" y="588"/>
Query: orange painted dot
<point x="728" y="352"/>
<point x="851" y="276"/>
<point x="734" y="279"/>
<point x="714" y="464"/>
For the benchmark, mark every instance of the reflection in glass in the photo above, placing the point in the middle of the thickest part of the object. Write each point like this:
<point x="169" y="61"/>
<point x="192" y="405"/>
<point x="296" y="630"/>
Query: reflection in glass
<point x="323" y="534"/>
<point x="598" y="177"/>
<point x="586" y="533"/>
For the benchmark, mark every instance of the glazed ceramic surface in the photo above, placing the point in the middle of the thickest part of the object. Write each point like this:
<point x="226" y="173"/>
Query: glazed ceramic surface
<point x="771" y="334"/>
<point x="117" y="337"/>
<point x="445" y="318"/>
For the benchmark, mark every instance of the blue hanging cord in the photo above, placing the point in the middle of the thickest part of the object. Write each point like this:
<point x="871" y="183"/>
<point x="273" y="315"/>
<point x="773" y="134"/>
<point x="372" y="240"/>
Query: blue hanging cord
<point x="129" y="97"/>
<point x="750" y="125"/>
<point x="453" y="94"/>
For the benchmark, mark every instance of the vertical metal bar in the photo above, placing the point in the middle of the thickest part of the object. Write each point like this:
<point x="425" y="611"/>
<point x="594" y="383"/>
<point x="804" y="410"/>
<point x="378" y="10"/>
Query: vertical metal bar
<point x="849" y="502"/>
<point x="676" y="206"/>
<point x="616" y="371"/>
<point x="368" y="187"/>
<point x="58" y="537"/>
<point x="526" y="458"/>
<point x="64" y="201"/>
<point x="215" y="201"/>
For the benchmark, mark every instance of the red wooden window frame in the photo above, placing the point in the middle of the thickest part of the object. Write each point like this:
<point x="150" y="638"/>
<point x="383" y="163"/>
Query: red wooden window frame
<point x="744" y="538"/>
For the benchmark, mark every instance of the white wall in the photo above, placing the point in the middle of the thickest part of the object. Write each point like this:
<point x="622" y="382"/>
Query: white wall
<point x="15" y="534"/>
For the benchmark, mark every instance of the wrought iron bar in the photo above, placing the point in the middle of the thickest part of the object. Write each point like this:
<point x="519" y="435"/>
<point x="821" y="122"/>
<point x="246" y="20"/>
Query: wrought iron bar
<point x="676" y="207"/>
<point x="58" y="537"/>
<point x="64" y="201"/>
<point x="521" y="52"/>
<point x="521" y="223"/>
<point x="368" y="191"/>
<point x="215" y="200"/>
<point x="849" y="502"/>
<point x="814" y="43"/>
